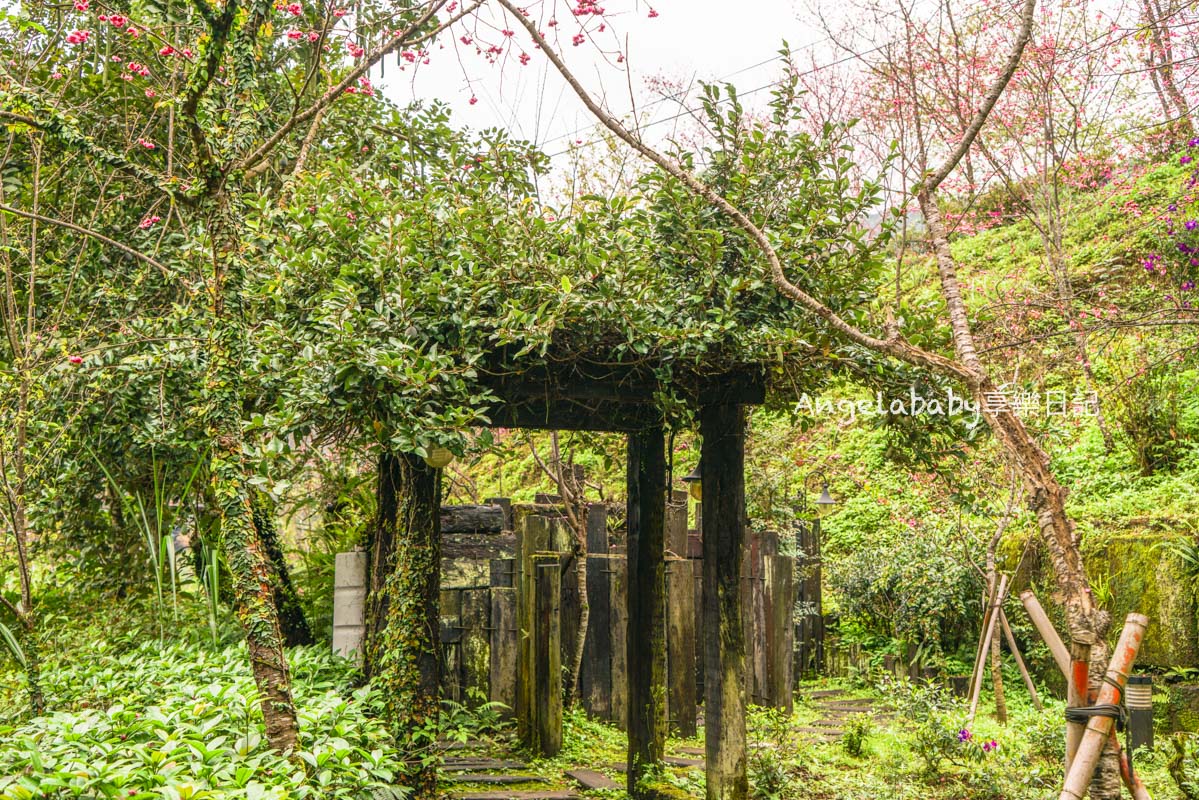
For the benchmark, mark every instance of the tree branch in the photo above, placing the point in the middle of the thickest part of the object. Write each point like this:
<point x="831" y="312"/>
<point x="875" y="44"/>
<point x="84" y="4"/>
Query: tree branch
<point x="88" y="232"/>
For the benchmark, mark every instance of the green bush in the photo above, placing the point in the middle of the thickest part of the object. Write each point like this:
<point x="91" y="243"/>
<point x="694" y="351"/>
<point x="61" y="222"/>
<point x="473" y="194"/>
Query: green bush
<point x="183" y="722"/>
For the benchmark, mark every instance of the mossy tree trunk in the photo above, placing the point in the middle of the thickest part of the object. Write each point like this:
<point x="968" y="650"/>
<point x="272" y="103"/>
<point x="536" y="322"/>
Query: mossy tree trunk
<point x="249" y="565"/>
<point x="292" y="622"/>
<point x="404" y="653"/>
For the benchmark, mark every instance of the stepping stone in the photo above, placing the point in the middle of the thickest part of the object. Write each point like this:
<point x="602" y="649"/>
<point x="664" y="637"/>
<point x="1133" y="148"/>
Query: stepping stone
<point x="590" y="779"/>
<point x="691" y="751"/>
<point x="517" y="796"/>
<point x="826" y="732"/>
<point x="849" y="701"/>
<point x="828" y="723"/>
<point x="825" y="693"/>
<point x="847" y="709"/>
<point x="480" y="765"/>
<point x="468" y="745"/>
<point x="675" y="761"/>
<point x="490" y="778"/>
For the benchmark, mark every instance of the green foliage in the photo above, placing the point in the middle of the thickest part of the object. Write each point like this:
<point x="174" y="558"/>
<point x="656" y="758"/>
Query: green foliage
<point x="182" y="721"/>
<point x="857" y="732"/>
<point x="1184" y="764"/>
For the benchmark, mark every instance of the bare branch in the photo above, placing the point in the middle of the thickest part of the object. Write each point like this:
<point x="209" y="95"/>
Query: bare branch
<point x="87" y="232"/>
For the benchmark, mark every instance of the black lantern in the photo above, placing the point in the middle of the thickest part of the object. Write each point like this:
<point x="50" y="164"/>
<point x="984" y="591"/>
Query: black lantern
<point x="695" y="482"/>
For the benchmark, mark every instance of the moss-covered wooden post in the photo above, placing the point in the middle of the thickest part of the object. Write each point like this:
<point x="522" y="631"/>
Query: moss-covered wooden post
<point x="646" y="602"/>
<point x="722" y="427"/>
<point x="404" y="653"/>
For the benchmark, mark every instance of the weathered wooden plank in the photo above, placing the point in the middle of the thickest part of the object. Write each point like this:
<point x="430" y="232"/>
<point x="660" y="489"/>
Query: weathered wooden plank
<point x="533" y="536"/>
<point x="506" y="505"/>
<point x="618" y="584"/>
<point x="451" y="644"/>
<point x="646" y="601"/>
<point x="590" y="780"/>
<point x="492" y="779"/>
<point x="722" y="428"/>
<point x="758" y="625"/>
<point x="514" y="795"/>
<point x="504" y="632"/>
<point x="596" y="680"/>
<point x="476" y="645"/>
<point x="547" y="658"/>
<point x="472" y="519"/>
<point x="502" y="572"/>
<point x="780" y="591"/>
<point x="680" y="647"/>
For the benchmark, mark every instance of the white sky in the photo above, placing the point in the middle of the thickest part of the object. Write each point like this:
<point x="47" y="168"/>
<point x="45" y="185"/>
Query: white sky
<point x="707" y="39"/>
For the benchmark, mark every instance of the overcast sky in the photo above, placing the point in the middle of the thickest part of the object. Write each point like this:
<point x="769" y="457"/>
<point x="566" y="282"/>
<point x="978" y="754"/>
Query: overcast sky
<point x="688" y="39"/>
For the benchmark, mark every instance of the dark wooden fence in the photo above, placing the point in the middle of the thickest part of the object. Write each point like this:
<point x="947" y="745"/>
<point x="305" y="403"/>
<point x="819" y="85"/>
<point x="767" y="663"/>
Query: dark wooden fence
<point x="508" y="640"/>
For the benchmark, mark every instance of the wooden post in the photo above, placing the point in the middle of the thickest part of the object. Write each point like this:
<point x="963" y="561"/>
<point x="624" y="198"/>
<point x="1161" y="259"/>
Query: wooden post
<point x="504" y="633"/>
<point x="1078" y="778"/>
<point x="532" y="536"/>
<point x="619" y="611"/>
<point x="996" y="605"/>
<point x="475" y="650"/>
<point x="723" y="430"/>
<point x="547" y="659"/>
<point x="1011" y="643"/>
<point x="680" y="623"/>
<point x="780" y="594"/>
<point x="1040" y="620"/>
<point x="646" y="601"/>
<point x="596" y="678"/>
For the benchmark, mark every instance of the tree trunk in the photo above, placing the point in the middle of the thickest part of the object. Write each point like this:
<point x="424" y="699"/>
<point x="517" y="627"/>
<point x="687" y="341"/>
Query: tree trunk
<point x="1164" y="53"/>
<point x="292" y="622"/>
<point x="249" y="566"/>
<point x="997" y="675"/>
<point x="576" y="666"/>
<point x="380" y="554"/>
<point x="405" y="657"/>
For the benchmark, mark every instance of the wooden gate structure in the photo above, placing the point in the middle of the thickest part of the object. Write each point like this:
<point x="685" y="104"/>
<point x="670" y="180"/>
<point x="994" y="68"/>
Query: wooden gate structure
<point x="510" y="625"/>
<point x="603" y="392"/>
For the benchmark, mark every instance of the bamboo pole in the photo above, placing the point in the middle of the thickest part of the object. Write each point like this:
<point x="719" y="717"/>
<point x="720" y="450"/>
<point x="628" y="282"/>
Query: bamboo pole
<point x="1077" y="691"/>
<point x="1040" y="620"/>
<point x="1099" y="728"/>
<point x="996" y="605"/>
<point x="1011" y="643"/>
<point x="988" y="599"/>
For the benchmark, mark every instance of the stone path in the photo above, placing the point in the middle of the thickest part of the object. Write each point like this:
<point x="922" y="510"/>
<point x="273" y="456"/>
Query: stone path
<point x="836" y="710"/>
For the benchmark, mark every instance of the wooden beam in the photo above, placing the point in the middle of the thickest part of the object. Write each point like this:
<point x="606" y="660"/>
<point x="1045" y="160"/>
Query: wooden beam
<point x="566" y="415"/>
<point x="646" y="602"/>
<point x="723" y="456"/>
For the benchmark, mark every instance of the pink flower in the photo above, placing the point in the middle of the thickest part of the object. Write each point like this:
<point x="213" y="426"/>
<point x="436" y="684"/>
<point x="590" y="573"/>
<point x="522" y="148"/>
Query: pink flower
<point x="524" y="58"/>
<point x="151" y="93"/>
<point x="146" y="143"/>
<point x="134" y="32"/>
<point x="473" y="100"/>
<point x="166" y="50"/>
<point x="117" y="21"/>
<point x="653" y="13"/>
<point x="187" y="53"/>
<point x="356" y="51"/>
<point x="81" y="5"/>
<point x="57" y="76"/>
<point x="578" y="39"/>
<point x="148" y="222"/>
<point x="295" y="9"/>
<point x="339" y="13"/>
<point x="294" y="35"/>
<point x="76" y="359"/>
<point x="351" y="216"/>
<point x="366" y="89"/>
<point x="78" y="37"/>
<point x="314" y="36"/>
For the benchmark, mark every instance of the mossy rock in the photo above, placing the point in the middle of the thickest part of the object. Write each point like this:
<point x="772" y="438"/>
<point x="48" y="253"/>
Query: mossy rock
<point x="1182" y="712"/>
<point x="1143" y="576"/>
